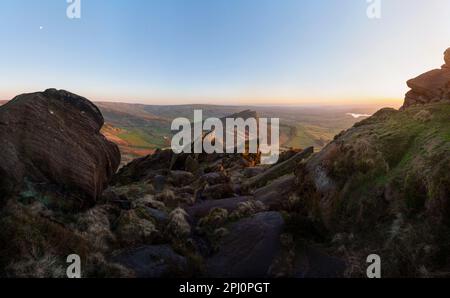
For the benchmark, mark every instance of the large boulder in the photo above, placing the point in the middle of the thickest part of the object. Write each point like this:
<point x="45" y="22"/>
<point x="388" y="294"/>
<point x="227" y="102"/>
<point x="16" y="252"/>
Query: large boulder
<point x="249" y="249"/>
<point x="275" y="194"/>
<point x="283" y="168"/>
<point x="52" y="140"/>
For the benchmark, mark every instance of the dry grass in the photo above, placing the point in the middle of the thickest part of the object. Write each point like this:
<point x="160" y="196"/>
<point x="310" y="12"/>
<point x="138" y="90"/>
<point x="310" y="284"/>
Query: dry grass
<point x="178" y="226"/>
<point x="95" y="227"/>
<point x="131" y="230"/>
<point x="246" y="209"/>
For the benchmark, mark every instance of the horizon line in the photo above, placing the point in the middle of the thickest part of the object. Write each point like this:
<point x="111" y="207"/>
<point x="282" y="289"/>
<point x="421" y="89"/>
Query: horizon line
<point x="272" y="101"/>
<point x="392" y="103"/>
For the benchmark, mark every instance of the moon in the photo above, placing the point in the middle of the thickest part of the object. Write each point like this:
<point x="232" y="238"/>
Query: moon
<point x="41" y="27"/>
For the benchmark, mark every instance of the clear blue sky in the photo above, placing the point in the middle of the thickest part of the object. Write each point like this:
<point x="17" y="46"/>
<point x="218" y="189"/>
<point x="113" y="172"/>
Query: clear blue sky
<point x="221" y="51"/>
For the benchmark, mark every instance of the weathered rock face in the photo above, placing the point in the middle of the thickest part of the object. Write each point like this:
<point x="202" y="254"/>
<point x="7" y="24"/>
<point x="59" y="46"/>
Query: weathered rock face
<point x="279" y="170"/>
<point x="249" y="249"/>
<point x="430" y="87"/>
<point x="52" y="140"/>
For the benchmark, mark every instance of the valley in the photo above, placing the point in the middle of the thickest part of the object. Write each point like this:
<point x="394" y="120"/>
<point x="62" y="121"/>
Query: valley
<point x="139" y="129"/>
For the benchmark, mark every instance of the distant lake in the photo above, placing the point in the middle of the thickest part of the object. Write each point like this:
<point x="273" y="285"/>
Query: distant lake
<point x="357" y="116"/>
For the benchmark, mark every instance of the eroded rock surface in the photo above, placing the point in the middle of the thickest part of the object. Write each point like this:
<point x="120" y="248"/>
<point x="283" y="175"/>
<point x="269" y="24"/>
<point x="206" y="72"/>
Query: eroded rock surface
<point x="52" y="139"/>
<point x="249" y="249"/>
<point x="430" y="87"/>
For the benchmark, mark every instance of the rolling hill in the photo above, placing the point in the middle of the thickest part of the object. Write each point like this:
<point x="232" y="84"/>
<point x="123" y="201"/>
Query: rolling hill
<point x="140" y="129"/>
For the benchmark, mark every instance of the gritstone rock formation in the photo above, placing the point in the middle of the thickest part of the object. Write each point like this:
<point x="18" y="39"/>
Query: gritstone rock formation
<point x="432" y="86"/>
<point x="52" y="140"/>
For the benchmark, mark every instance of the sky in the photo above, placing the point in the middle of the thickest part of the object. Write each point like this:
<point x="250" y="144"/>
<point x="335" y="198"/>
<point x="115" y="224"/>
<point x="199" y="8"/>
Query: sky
<point x="271" y="52"/>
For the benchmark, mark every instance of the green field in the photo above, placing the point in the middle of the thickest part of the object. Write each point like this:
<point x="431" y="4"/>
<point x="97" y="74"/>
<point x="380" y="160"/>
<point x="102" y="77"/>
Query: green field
<point x="143" y="138"/>
<point x="145" y="127"/>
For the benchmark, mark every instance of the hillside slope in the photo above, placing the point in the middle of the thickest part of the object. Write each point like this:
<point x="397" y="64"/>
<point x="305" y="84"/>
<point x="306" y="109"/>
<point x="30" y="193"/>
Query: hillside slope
<point x="383" y="187"/>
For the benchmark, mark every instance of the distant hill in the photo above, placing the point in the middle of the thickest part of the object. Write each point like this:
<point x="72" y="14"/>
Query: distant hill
<point x="136" y="131"/>
<point x="140" y="129"/>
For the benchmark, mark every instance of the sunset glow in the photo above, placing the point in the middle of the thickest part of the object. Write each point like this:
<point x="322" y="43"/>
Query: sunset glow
<point x="222" y="52"/>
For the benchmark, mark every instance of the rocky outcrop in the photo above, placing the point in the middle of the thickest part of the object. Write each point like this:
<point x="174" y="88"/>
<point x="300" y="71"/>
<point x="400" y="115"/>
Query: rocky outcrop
<point x="279" y="170"/>
<point x="430" y="87"/>
<point x="275" y="194"/>
<point x="52" y="140"/>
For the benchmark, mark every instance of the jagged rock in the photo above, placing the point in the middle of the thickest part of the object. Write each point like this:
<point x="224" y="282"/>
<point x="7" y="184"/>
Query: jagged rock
<point x="287" y="154"/>
<point x="275" y="194"/>
<point x="249" y="248"/>
<point x="278" y="170"/>
<point x="154" y="261"/>
<point x="52" y="140"/>
<point x="430" y="87"/>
